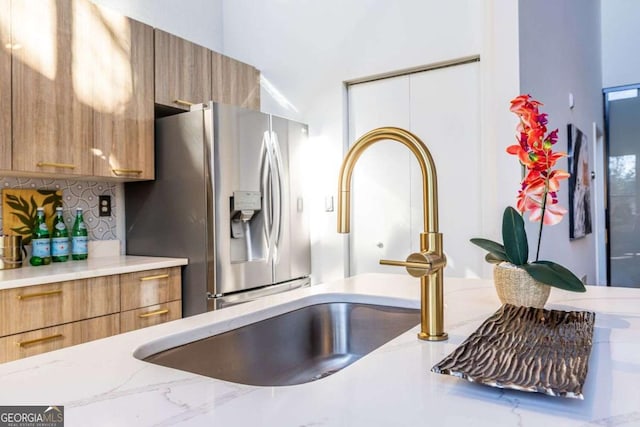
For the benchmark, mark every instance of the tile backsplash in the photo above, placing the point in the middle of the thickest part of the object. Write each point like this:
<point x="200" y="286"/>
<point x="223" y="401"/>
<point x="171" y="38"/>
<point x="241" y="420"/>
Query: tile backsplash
<point x="83" y="194"/>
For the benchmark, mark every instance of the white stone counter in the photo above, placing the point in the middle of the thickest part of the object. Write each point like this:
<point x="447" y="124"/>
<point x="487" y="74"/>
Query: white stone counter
<point x="74" y="270"/>
<point x="101" y="384"/>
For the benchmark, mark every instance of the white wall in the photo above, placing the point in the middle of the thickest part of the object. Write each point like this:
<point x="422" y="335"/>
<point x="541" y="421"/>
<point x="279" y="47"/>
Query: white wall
<point x="560" y="54"/>
<point x="500" y="83"/>
<point x="199" y="21"/>
<point x="307" y="49"/>
<point x="620" y="38"/>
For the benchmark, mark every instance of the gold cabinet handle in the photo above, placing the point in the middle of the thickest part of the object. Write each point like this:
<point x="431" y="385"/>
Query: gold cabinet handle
<point x="120" y="172"/>
<point x="157" y="276"/>
<point x="183" y="102"/>
<point x="39" y="340"/>
<point x="40" y="294"/>
<point x="153" y="313"/>
<point x="56" y="165"/>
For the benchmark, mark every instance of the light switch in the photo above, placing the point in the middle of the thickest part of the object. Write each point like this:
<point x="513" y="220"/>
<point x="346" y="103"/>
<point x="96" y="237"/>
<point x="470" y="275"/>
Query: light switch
<point x="328" y="204"/>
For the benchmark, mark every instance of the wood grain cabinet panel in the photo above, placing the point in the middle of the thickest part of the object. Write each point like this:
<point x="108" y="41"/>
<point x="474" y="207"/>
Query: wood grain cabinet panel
<point x="145" y="288"/>
<point x="148" y="316"/>
<point x="35" y="307"/>
<point x="48" y="339"/>
<point x="124" y="98"/>
<point x="52" y="76"/>
<point x="40" y="318"/>
<point x="235" y="82"/>
<point x="5" y="84"/>
<point x="182" y="71"/>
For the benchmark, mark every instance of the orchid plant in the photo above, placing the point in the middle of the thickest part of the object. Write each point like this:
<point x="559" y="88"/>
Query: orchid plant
<point x="538" y="196"/>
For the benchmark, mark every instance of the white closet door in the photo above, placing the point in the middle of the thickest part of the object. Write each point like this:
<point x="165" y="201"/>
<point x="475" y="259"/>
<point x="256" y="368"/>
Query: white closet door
<point x="380" y="196"/>
<point x="445" y="114"/>
<point x="442" y="108"/>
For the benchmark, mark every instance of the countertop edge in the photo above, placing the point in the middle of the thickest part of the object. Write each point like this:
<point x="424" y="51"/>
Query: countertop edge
<point x="77" y="270"/>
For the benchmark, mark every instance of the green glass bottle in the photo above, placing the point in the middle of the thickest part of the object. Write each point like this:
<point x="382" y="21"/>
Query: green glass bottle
<point x="40" y="242"/>
<point x="79" y="239"/>
<point x="59" y="238"/>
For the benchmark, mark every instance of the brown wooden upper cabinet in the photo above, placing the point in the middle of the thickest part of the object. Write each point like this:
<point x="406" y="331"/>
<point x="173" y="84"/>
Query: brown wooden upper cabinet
<point x="82" y="91"/>
<point x="5" y="85"/>
<point x="182" y="71"/>
<point x="54" y="62"/>
<point x="84" y="79"/>
<point x="235" y="82"/>
<point x="124" y="100"/>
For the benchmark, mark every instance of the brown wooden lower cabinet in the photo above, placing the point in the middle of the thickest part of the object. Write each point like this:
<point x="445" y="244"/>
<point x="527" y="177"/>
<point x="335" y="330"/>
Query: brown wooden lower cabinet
<point x="144" y="288"/>
<point x="56" y="337"/>
<point x="34" y="307"/>
<point x="149" y="316"/>
<point x="40" y="318"/>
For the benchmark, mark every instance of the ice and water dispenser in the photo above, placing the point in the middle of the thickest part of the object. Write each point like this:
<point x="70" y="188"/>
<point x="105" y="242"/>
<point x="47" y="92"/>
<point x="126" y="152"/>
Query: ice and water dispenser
<point x="247" y="225"/>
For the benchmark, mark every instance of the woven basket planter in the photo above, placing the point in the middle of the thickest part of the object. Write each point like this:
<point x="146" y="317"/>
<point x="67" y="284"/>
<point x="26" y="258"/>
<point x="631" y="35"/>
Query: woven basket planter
<point x="515" y="286"/>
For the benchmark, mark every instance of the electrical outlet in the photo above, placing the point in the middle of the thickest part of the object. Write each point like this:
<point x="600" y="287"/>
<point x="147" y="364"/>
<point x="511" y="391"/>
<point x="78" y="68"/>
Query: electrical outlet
<point x="104" y="205"/>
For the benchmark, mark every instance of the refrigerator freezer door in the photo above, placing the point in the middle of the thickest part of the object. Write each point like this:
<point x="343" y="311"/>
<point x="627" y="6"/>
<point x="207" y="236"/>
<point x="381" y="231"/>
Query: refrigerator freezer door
<point x="172" y="216"/>
<point x="241" y="161"/>
<point x="293" y="248"/>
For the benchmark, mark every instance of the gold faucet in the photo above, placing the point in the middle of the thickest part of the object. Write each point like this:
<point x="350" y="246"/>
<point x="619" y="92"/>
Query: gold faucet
<point x="429" y="263"/>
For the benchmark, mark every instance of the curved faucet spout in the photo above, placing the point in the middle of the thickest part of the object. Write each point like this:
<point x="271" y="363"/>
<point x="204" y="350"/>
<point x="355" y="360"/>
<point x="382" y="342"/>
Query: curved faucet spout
<point x="427" y="167"/>
<point x="429" y="263"/>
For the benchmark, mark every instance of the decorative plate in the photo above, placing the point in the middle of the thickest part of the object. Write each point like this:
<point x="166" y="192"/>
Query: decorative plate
<point x="19" y="209"/>
<point x="528" y="349"/>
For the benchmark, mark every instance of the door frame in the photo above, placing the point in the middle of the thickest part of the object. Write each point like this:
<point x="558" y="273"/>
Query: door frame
<point x="605" y="100"/>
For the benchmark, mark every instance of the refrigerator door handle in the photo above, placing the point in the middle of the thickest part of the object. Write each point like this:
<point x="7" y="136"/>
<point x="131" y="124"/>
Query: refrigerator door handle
<point x="279" y="209"/>
<point x="266" y="166"/>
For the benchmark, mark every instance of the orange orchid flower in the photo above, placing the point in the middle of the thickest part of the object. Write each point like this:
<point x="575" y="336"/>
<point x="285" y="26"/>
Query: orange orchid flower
<point x="552" y="212"/>
<point x="537" y="182"/>
<point x="537" y="194"/>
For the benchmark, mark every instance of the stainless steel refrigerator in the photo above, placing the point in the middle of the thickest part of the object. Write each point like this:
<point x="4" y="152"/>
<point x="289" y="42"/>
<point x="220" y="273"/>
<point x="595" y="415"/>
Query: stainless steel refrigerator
<point x="228" y="196"/>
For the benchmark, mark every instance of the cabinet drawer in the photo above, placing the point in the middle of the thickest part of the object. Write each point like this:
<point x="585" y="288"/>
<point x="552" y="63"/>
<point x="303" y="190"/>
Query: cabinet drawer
<point x="149" y="316"/>
<point x="42" y="340"/>
<point x="34" y="307"/>
<point x="145" y="288"/>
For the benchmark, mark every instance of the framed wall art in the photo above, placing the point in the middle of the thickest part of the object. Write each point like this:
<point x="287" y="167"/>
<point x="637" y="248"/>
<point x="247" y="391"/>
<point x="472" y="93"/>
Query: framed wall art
<point x="579" y="184"/>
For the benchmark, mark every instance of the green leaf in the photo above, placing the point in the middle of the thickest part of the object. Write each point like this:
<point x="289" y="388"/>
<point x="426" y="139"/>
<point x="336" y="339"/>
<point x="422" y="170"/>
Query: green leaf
<point x="514" y="237"/>
<point x="492" y="247"/>
<point x="34" y="205"/>
<point x="26" y="220"/>
<point x="21" y="230"/>
<point x="15" y="206"/>
<point x="24" y="206"/>
<point x="48" y="200"/>
<point x="491" y="258"/>
<point x="52" y="198"/>
<point x="553" y="274"/>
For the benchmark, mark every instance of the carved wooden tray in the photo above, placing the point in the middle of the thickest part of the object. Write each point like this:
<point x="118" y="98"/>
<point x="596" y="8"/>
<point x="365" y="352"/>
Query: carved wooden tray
<point x="528" y="349"/>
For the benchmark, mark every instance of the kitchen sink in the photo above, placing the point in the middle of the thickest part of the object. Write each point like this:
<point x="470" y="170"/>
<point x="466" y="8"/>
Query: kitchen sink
<point x="292" y="348"/>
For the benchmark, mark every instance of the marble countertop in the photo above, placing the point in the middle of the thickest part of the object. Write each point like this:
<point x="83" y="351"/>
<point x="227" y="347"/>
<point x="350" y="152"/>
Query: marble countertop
<point x="74" y="270"/>
<point x="101" y="383"/>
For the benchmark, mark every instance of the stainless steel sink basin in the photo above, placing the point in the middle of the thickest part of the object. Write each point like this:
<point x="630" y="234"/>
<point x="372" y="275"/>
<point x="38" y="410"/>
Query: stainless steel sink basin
<point x="293" y="348"/>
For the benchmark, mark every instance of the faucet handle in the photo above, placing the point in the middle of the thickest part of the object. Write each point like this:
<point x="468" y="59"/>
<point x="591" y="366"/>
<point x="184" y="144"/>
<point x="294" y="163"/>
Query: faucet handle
<point x="418" y="264"/>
